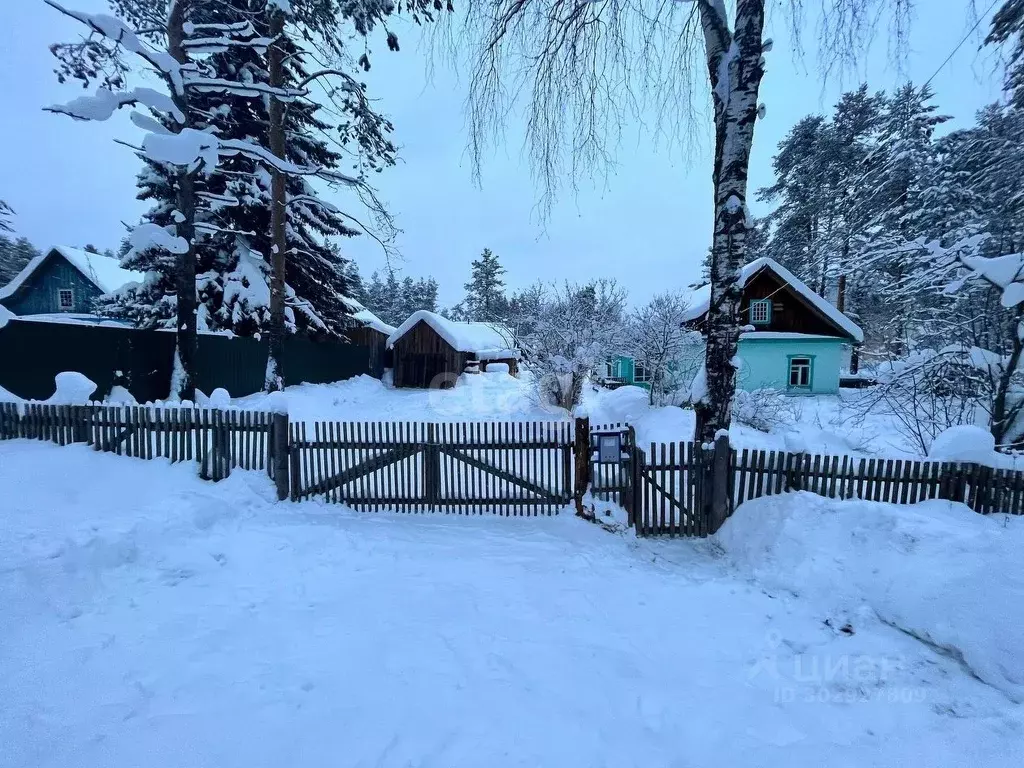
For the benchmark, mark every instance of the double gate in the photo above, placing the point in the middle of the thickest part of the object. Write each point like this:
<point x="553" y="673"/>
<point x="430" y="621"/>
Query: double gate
<point x="515" y="468"/>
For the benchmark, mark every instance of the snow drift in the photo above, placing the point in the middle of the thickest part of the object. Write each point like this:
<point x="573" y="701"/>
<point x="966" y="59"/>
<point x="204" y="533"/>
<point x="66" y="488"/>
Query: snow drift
<point x="936" y="571"/>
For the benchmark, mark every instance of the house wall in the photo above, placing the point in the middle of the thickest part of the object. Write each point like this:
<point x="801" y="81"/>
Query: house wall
<point x="39" y="295"/>
<point x="766" y="363"/>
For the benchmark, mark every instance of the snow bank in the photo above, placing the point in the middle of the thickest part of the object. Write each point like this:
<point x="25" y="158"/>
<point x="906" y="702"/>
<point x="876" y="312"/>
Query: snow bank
<point x="5" y="315"/>
<point x="72" y="388"/>
<point x="937" y="571"/>
<point x="489" y="341"/>
<point x="966" y="442"/>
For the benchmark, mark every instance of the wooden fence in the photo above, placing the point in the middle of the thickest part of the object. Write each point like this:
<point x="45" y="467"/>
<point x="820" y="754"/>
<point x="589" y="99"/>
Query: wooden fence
<point x="515" y="468"/>
<point x="217" y="440"/>
<point x="675" y="483"/>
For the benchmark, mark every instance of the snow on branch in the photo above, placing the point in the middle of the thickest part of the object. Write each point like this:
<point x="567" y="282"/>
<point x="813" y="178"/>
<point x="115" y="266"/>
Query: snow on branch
<point x="106" y="102"/>
<point x="117" y="32"/>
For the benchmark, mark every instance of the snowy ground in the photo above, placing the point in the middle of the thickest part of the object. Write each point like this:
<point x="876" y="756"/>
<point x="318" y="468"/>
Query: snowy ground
<point x="822" y="425"/>
<point x="149" y="618"/>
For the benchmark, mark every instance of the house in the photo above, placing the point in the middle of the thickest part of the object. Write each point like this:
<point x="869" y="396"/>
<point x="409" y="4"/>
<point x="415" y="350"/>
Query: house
<point x="432" y="351"/>
<point x="65" y="281"/>
<point x="372" y="332"/>
<point x="793" y="339"/>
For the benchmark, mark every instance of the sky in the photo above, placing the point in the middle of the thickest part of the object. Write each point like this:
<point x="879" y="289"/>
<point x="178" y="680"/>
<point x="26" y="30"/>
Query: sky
<point x="646" y="223"/>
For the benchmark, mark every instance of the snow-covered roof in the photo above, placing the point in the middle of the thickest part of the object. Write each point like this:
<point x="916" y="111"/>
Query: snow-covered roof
<point x="700" y="299"/>
<point x="102" y="271"/>
<point x="368" y="318"/>
<point x="489" y="341"/>
<point x="784" y="335"/>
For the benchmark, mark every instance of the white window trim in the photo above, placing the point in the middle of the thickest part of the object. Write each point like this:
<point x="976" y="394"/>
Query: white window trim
<point x="808" y="366"/>
<point x="646" y="378"/>
<point x="60" y="298"/>
<point x="756" y="318"/>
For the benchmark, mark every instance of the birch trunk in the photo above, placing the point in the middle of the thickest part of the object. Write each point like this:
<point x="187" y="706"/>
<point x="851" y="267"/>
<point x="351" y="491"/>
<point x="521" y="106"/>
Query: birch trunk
<point x="275" y="53"/>
<point x="187" y="339"/>
<point x="736" y="66"/>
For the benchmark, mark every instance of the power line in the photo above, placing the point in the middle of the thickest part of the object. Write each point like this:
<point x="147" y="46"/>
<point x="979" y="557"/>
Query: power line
<point x="959" y="45"/>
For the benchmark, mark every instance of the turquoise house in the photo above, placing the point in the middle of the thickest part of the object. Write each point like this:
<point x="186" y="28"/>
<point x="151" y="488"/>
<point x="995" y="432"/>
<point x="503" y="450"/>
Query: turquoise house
<point x="66" y="282"/>
<point x="793" y="340"/>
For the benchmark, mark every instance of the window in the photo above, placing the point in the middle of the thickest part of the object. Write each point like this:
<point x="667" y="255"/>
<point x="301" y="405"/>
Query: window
<point x="800" y="372"/>
<point x="640" y="374"/>
<point x="66" y="297"/>
<point x="761" y="311"/>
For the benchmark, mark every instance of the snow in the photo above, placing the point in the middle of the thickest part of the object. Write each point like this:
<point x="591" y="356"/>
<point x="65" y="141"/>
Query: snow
<point x="150" y="235"/>
<point x="965" y="442"/>
<point x="104" y="272"/>
<point x="781" y="335"/>
<point x="936" y="571"/>
<point x="72" y="388"/>
<point x="489" y="341"/>
<point x="700" y="298"/>
<point x="5" y="315"/>
<point x="104" y="103"/>
<point x="369" y="319"/>
<point x="148" y="613"/>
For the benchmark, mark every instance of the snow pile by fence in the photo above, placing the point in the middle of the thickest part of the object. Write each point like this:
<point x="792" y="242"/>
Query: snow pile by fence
<point x="937" y="571"/>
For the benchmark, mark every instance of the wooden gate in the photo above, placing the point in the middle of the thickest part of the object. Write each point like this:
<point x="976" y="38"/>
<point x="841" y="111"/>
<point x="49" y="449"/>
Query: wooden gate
<point x="516" y="468"/>
<point x="673" y="489"/>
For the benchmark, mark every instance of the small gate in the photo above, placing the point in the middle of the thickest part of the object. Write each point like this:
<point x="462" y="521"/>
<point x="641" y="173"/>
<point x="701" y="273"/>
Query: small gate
<point x="516" y="468"/>
<point x="673" y="490"/>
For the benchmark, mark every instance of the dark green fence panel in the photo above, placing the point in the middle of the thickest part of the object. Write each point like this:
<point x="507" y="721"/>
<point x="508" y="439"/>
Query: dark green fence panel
<point x="32" y="353"/>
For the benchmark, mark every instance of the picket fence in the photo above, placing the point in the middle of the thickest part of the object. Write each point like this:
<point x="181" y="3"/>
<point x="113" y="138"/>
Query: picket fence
<point x="511" y="469"/>
<point x="218" y="440"/>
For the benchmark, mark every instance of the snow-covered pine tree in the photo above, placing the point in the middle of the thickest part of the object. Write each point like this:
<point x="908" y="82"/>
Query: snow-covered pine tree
<point x="1008" y="28"/>
<point x="485" y="298"/>
<point x="6" y="212"/>
<point x="14" y="255"/>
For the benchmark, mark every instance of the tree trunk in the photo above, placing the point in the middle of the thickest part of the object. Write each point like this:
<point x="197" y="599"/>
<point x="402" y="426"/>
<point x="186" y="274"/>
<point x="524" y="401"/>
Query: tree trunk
<point x="183" y="382"/>
<point x="736" y="66"/>
<point x="1002" y="415"/>
<point x="278" y="201"/>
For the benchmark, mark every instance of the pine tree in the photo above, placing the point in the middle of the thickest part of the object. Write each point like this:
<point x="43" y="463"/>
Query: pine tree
<point x="1008" y="27"/>
<point x="14" y="255"/>
<point x="485" y="292"/>
<point x="5" y="214"/>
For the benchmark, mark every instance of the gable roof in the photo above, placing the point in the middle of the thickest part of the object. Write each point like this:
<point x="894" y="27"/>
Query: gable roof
<point x="700" y="299"/>
<point x="104" y="272"/>
<point x="483" y="339"/>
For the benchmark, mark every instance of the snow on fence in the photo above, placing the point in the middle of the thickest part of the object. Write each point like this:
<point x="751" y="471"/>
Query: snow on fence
<point x="218" y="440"/>
<point x="514" y="468"/>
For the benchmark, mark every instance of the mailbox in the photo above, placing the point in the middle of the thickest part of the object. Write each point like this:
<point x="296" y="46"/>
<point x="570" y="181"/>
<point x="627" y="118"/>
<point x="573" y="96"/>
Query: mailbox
<point x="607" y="445"/>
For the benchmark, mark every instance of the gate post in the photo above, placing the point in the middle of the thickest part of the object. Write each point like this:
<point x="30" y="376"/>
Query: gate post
<point x="718" y="509"/>
<point x="432" y="468"/>
<point x="581" y="448"/>
<point x="279" y="455"/>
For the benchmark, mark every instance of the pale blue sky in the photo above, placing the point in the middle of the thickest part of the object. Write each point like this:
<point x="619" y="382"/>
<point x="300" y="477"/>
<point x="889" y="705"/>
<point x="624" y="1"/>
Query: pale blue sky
<point x="648" y="224"/>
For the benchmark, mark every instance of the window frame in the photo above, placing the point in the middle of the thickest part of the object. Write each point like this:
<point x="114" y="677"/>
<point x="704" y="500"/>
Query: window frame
<point x="766" y="304"/>
<point x="637" y="377"/>
<point x="790" y="360"/>
<point x="60" y="299"/>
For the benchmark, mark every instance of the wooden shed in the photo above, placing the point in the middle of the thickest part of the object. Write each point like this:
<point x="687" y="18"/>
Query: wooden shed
<point x="431" y="352"/>
<point x="373" y="333"/>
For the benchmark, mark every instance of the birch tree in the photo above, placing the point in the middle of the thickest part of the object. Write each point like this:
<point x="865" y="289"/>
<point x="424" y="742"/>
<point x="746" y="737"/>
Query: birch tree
<point x="583" y="66"/>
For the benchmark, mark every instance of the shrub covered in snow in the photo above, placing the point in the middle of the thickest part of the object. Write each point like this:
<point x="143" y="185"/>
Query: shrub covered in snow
<point x="765" y="409"/>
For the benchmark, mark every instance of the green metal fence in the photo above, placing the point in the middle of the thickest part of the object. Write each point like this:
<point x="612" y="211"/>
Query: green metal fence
<point x="33" y="352"/>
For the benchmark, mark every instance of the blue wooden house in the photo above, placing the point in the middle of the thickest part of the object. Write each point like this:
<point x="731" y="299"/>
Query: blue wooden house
<point x="65" y="281"/>
<point x="793" y="340"/>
